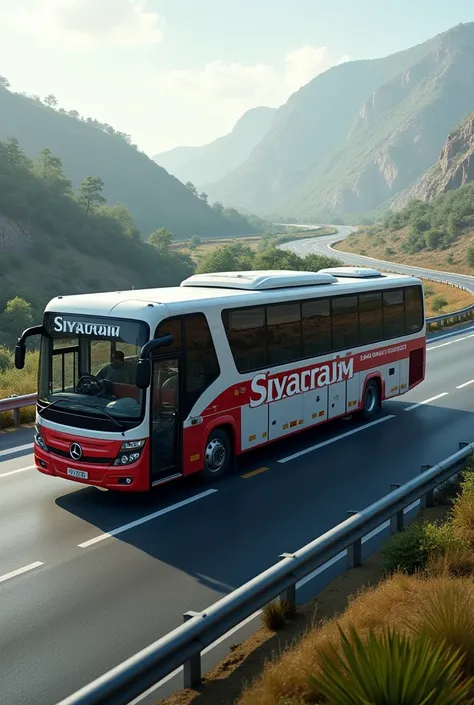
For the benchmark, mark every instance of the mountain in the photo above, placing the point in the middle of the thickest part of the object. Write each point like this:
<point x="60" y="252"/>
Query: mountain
<point x="358" y="134"/>
<point x="454" y="168"/>
<point x="52" y="242"/>
<point x="154" y="197"/>
<point x="213" y="161"/>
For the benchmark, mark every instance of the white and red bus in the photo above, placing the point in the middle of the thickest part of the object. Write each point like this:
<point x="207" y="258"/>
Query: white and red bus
<point x="137" y="388"/>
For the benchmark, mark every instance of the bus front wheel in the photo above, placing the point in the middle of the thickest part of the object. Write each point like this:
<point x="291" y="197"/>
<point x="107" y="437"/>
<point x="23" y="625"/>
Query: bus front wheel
<point x="372" y="402"/>
<point x="217" y="456"/>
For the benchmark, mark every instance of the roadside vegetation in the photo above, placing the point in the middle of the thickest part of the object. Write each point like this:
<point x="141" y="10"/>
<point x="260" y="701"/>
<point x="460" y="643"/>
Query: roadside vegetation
<point x="398" y="630"/>
<point x="436" y="235"/>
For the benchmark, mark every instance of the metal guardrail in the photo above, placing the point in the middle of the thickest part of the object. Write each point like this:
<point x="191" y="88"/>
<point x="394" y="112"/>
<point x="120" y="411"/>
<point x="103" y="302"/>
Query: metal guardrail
<point x="16" y="403"/>
<point x="183" y="646"/>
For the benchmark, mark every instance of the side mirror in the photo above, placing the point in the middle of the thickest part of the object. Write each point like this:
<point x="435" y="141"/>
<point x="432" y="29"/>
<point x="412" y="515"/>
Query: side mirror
<point x="143" y="373"/>
<point x="20" y="354"/>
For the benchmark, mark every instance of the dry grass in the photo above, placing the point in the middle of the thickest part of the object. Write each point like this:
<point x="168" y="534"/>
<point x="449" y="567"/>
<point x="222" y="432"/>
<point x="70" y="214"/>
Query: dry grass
<point x="387" y="246"/>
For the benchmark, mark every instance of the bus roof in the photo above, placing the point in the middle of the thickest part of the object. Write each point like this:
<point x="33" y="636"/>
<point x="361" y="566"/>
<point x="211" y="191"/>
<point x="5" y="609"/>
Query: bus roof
<point x="226" y="288"/>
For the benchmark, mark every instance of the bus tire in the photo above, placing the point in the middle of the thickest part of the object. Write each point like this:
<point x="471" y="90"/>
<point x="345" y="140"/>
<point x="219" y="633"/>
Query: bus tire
<point x="217" y="456"/>
<point x="371" y="402"/>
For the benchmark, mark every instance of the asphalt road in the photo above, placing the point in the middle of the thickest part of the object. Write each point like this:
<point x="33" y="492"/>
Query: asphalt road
<point x="322" y="245"/>
<point x="75" y="600"/>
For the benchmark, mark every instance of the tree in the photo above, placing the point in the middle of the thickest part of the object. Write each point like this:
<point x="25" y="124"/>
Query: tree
<point x="194" y="242"/>
<point x="203" y="196"/>
<point x="228" y="258"/>
<point x="218" y="207"/>
<point x="16" y="155"/>
<point x="51" y="101"/>
<point x="120" y="213"/>
<point x="50" y="169"/>
<point x="16" y="317"/>
<point x="191" y="187"/>
<point x="74" y="114"/>
<point x="90" y="192"/>
<point x="161" y="240"/>
<point x="4" y="82"/>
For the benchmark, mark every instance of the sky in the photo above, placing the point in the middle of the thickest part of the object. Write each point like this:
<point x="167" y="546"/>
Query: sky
<point x="181" y="72"/>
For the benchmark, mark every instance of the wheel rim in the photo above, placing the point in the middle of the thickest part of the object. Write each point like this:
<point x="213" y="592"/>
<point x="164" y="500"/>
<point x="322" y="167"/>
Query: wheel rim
<point x="370" y="399"/>
<point x="215" y="455"/>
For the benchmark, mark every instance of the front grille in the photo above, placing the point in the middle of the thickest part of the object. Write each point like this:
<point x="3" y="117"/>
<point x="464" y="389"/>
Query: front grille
<point x="84" y="459"/>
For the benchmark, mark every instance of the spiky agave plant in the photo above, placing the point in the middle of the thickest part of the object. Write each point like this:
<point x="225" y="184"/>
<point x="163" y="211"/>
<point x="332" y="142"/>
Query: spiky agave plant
<point x="390" y="668"/>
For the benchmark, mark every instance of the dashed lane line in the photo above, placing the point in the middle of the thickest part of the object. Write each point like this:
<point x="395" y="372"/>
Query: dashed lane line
<point x="15" y="472"/>
<point x="426" y="401"/>
<point x="20" y="571"/>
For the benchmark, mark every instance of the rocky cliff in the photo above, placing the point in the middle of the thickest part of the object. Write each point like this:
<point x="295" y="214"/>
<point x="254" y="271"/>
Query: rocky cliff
<point x="454" y="168"/>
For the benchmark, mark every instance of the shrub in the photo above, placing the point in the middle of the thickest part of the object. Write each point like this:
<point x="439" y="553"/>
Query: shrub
<point x="438" y="303"/>
<point x="410" y="550"/>
<point x="390" y="668"/>
<point x="447" y="616"/>
<point x="470" y="256"/>
<point x="276" y="614"/>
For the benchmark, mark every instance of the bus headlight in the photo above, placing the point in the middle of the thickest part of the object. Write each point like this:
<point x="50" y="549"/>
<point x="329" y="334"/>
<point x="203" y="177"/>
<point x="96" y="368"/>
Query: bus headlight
<point x="39" y="439"/>
<point x="130" y="452"/>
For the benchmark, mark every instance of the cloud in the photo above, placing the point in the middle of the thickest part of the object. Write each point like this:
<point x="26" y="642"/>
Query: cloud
<point x="236" y="86"/>
<point x="86" y="24"/>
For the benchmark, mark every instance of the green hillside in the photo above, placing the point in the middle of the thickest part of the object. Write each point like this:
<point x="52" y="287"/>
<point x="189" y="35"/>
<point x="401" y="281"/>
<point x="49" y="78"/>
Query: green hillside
<point x="154" y="197"/>
<point x="54" y="241"/>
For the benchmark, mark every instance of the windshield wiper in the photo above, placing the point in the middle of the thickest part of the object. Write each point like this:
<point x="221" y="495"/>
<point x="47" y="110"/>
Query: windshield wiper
<point x="92" y="406"/>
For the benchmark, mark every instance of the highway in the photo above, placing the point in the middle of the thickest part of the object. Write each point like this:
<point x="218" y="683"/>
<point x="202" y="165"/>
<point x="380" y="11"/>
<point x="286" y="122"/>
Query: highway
<point x="88" y="578"/>
<point x="86" y="601"/>
<point x="322" y="246"/>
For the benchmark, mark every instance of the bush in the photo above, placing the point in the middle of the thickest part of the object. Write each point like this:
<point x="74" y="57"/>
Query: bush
<point x="410" y="550"/>
<point x="438" y="303"/>
<point x="390" y="668"/>
<point x="276" y="614"/>
<point x="470" y="256"/>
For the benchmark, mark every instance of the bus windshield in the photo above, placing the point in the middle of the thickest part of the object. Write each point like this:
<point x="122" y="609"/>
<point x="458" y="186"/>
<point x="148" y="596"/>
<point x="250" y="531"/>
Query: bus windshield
<point x="87" y="372"/>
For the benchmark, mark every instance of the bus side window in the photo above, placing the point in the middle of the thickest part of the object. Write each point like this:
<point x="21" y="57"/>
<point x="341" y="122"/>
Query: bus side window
<point x="171" y="326"/>
<point x="345" y="322"/>
<point x="393" y="313"/>
<point x="283" y="333"/>
<point x="201" y="363"/>
<point x="316" y="315"/>
<point x="370" y="317"/>
<point x="413" y="309"/>
<point x="247" y="336"/>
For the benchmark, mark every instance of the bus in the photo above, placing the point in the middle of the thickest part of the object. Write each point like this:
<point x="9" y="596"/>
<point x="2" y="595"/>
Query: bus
<point x="137" y="388"/>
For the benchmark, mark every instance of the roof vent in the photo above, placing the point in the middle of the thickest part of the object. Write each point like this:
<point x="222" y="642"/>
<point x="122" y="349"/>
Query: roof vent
<point x="260" y="280"/>
<point x="353" y="272"/>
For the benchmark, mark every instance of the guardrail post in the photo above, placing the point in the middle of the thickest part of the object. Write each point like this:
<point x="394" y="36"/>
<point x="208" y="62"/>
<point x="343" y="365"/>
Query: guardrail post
<point x="396" y="522"/>
<point x="354" y="550"/>
<point x="426" y="500"/>
<point x="191" y="668"/>
<point x="16" y="417"/>
<point x="288" y="595"/>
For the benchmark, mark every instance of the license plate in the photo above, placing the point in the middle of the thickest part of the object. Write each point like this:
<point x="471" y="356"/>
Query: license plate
<point x="77" y="473"/>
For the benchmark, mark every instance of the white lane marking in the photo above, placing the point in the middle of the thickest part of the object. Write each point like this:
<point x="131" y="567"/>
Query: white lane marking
<point x="20" y="571"/>
<point x="453" y="333"/>
<point x="146" y="518"/>
<point x="465" y="384"/>
<point x="256" y="614"/>
<point x="451" y="342"/>
<point x="17" y="449"/>
<point x="336" y="438"/>
<point x="14" y="472"/>
<point x="426" y="401"/>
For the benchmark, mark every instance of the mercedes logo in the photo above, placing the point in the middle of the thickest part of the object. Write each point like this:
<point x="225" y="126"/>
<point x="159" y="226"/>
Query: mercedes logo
<point x="75" y="451"/>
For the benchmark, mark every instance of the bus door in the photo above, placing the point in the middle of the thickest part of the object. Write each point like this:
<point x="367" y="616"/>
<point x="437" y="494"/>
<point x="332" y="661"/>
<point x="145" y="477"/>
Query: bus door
<point x="166" y="435"/>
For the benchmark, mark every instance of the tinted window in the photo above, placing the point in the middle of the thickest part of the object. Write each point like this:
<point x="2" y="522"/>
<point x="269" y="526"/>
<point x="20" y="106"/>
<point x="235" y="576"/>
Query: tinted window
<point x="65" y="365"/>
<point x="202" y="366"/>
<point x="370" y="317"/>
<point x="393" y="313"/>
<point x="171" y="326"/>
<point x="345" y="322"/>
<point x="316" y="323"/>
<point x="413" y="309"/>
<point x="283" y="333"/>
<point x="246" y="333"/>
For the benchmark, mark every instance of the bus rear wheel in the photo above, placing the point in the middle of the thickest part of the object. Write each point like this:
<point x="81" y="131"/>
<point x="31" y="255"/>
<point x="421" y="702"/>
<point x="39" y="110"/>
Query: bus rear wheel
<point x="372" y="402"/>
<point x="217" y="456"/>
